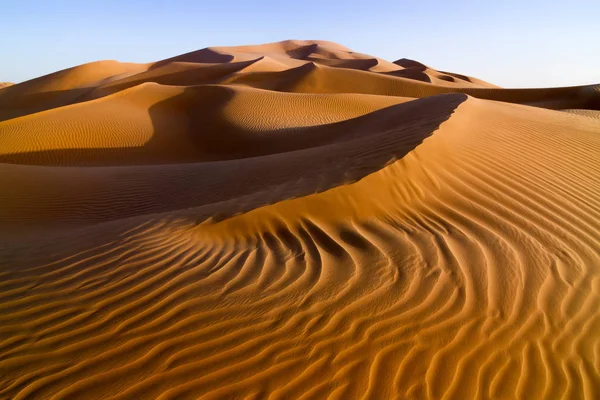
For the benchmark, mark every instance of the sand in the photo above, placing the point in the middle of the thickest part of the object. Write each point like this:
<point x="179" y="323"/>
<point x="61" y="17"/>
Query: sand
<point x="294" y="221"/>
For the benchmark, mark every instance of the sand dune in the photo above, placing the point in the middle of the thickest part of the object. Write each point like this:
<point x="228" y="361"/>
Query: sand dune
<point x="60" y="88"/>
<point x="293" y="221"/>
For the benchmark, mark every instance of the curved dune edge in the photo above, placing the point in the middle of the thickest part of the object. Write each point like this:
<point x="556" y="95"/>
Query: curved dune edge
<point x="288" y="66"/>
<point x="460" y="270"/>
<point x="326" y="156"/>
<point x="159" y="124"/>
<point x="261" y="242"/>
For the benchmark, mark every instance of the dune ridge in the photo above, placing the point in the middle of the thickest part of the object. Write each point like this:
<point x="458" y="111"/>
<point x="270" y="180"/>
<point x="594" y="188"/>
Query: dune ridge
<point x="297" y="220"/>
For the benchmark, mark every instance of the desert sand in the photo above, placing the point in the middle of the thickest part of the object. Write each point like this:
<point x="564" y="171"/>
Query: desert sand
<point x="296" y="220"/>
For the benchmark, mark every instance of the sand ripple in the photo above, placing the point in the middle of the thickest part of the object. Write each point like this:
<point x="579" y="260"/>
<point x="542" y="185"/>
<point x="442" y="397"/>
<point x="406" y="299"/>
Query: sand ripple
<point x="317" y="232"/>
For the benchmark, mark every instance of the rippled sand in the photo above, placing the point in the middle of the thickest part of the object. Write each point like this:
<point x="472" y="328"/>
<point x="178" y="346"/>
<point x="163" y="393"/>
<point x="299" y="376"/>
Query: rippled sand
<point x="296" y="220"/>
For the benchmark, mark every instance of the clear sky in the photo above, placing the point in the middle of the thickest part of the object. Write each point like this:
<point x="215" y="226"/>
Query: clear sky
<point x="507" y="42"/>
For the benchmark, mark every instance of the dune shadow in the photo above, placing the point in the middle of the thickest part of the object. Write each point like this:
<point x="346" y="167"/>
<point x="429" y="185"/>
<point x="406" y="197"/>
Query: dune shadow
<point x="203" y="56"/>
<point x="446" y="78"/>
<point x="458" y="76"/>
<point x="410" y="74"/>
<point x="205" y="134"/>
<point x="193" y="111"/>
<point x="202" y="74"/>
<point x="248" y="171"/>
<point x="363" y="64"/>
<point x="303" y="52"/>
<point x="14" y="104"/>
<point x="412" y="64"/>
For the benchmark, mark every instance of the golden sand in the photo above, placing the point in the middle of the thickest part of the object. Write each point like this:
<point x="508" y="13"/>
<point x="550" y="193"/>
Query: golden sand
<point x="295" y="221"/>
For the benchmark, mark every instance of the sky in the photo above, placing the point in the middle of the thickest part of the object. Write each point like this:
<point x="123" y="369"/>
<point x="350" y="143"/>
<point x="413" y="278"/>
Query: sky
<point x="526" y="43"/>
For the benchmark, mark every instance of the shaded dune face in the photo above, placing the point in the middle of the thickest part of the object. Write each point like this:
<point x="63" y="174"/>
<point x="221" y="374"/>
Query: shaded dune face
<point x="296" y="220"/>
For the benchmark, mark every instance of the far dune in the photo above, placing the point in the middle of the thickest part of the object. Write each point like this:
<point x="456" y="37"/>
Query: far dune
<point x="296" y="220"/>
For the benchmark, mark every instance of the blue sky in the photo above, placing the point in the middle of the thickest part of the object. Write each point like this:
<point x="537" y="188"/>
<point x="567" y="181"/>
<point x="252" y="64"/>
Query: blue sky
<point x="510" y="43"/>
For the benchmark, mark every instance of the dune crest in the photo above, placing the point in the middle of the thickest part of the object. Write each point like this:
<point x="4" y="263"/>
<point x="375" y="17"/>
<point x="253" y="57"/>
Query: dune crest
<point x="296" y="220"/>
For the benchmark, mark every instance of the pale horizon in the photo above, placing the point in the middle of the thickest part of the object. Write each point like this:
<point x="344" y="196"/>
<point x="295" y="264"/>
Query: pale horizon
<point x="506" y="44"/>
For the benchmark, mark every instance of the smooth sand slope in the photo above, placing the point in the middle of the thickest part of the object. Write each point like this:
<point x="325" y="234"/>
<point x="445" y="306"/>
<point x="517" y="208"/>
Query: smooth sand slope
<point x="297" y="221"/>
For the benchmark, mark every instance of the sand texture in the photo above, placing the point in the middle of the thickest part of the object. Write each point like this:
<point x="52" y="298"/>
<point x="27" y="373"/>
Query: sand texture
<point x="295" y="220"/>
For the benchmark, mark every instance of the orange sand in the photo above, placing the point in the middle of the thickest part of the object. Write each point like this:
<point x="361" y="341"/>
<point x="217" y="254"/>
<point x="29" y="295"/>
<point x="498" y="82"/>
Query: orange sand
<point x="295" y="221"/>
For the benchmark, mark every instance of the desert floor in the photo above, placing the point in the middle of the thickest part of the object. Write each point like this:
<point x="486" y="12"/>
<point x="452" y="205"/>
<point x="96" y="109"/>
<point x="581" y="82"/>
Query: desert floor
<point x="294" y="221"/>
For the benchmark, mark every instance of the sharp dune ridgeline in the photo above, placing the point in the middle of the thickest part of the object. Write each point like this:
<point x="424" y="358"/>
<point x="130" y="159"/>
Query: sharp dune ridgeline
<point x="296" y="220"/>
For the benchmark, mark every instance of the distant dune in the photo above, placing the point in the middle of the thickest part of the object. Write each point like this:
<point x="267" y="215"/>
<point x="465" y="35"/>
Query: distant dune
<point x="296" y="220"/>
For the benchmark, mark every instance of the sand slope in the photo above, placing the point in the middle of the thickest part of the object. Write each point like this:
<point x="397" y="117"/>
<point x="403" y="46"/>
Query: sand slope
<point x="294" y="221"/>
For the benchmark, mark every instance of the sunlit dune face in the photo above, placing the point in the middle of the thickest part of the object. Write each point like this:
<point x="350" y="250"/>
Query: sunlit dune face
<point x="296" y="220"/>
